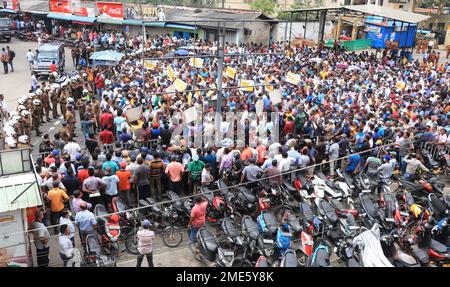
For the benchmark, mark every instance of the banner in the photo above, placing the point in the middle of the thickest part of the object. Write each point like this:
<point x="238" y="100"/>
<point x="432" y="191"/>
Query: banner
<point x="259" y="107"/>
<point x="84" y="8"/>
<point x="275" y="97"/>
<point x="190" y="115"/>
<point x="247" y="85"/>
<point x="151" y="65"/>
<point x="196" y="62"/>
<point x="60" y="6"/>
<point x="230" y="72"/>
<point x="170" y="73"/>
<point x="267" y="83"/>
<point x="16" y="5"/>
<point x="180" y="85"/>
<point x="133" y="12"/>
<point x="134" y="114"/>
<point x="110" y="9"/>
<point x="292" y="78"/>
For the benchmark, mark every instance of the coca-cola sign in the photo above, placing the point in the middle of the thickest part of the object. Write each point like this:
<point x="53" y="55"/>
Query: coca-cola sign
<point x="60" y="6"/>
<point x="108" y="9"/>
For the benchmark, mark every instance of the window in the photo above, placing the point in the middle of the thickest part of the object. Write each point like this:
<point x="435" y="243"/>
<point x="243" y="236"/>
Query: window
<point x="441" y="26"/>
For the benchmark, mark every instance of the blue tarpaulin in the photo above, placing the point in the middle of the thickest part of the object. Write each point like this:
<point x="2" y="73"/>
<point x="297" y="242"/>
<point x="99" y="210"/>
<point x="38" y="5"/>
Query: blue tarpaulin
<point x="108" y="58"/>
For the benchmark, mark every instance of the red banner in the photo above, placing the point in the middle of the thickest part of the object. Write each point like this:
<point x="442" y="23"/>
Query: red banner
<point x="114" y="10"/>
<point x="16" y="5"/>
<point x="83" y="8"/>
<point x="60" y="6"/>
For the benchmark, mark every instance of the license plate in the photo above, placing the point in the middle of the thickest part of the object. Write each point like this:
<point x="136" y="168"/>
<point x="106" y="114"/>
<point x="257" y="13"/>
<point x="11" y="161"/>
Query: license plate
<point x="265" y="200"/>
<point x="268" y="241"/>
<point x="228" y="253"/>
<point x="94" y="194"/>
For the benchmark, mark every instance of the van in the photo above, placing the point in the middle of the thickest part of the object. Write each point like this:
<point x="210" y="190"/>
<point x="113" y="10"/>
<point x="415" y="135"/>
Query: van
<point x="46" y="54"/>
<point x="6" y="31"/>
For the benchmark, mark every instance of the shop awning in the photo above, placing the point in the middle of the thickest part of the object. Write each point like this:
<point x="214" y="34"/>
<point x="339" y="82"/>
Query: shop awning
<point x="8" y="11"/>
<point x="180" y="26"/>
<point x="19" y="191"/>
<point x="83" y="19"/>
<point x="132" y="22"/>
<point x="139" y="23"/>
<point x="60" y="16"/>
<point x="110" y="21"/>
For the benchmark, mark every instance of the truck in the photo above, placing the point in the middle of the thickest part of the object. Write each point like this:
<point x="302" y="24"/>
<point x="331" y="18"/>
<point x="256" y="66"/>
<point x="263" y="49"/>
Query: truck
<point x="6" y="31"/>
<point x="46" y="54"/>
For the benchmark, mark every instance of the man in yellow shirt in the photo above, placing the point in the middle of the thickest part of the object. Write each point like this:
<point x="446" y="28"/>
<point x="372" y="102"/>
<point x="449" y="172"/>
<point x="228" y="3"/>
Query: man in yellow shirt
<point x="57" y="199"/>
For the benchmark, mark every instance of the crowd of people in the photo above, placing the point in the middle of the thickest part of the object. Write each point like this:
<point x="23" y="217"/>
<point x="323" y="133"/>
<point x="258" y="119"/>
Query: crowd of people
<point x="341" y="103"/>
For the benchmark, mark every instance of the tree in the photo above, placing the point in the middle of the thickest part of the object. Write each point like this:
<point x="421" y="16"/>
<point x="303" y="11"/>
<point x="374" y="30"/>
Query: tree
<point x="300" y="5"/>
<point x="268" y="7"/>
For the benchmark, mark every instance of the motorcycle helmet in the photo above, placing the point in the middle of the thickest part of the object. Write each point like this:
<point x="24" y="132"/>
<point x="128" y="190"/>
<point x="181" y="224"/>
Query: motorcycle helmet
<point x="39" y="92"/>
<point x="31" y="95"/>
<point x="237" y="155"/>
<point x="46" y="88"/>
<point x="23" y="139"/>
<point x="85" y="91"/>
<point x="78" y="156"/>
<point x="21" y="101"/>
<point x="21" y="108"/>
<point x="11" y="142"/>
<point x="14" y="114"/>
<point x="36" y="102"/>
<point x="25" y="113"/>
<point x="70" y="100"/>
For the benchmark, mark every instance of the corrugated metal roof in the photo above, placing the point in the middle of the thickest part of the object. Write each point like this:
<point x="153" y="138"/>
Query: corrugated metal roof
<point x="387" y="12"/>
<point x="12" y="186"/>
<point x="370" y="9"/>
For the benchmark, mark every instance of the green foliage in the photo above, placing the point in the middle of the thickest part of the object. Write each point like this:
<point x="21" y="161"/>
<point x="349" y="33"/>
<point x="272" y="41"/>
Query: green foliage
<point x="300" y="5"/>
<point x="268" y="7"/>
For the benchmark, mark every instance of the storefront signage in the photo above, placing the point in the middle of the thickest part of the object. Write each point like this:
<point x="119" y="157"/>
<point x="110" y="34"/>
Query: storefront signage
<point x="84" y="8"/>
<point x="110" y="9"/>
<point x="133" y="11"/>
<point x="60" y="6"/>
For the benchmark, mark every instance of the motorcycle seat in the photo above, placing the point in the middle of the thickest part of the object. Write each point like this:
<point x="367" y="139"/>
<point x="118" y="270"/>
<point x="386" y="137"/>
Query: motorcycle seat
<point x="249" y="226"/>
<point x="420" y="253"/>
<point x="329" y="211"/>
<point x="437" y="246"/>
<point x="152" y="202"/>
<point x="248" y="195"/>
<point x="405" y="258"/>
<point x="306" y="211"/>
<point x="207" y="193"/>
<point x="368" y="205"/>
<point x="271" y="221"/>
<point x="289" y="259"/>
<point x="437" y="204"/>
<point x="321" y="259"/>
<point x="230" y="228"/>
<point x="208" y="241"/>
<point x="294" y="223"/>
<point x="262" y="262"/>
<point x="410" y="185"/>
<point x="175" y="198"/>
<point x="288" y="185"/>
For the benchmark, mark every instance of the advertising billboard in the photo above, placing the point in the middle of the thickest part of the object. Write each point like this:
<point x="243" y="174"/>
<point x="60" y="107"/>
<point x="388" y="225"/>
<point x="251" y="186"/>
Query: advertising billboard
<point x="60" y="6"/>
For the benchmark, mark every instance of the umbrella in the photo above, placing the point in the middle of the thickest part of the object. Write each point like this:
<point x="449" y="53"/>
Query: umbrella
<point x="182" y="52"/>
<point x="353" y="68"/>
<point x="170" y="55"/>
<point x="108" y="55"/>
<point x="341" y="66"/>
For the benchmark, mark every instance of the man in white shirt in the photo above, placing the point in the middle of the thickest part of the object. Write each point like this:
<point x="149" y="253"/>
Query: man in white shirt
<point x="66" y="250"/>
<point x="72" y="148"/>
<point x="333" y="153"/>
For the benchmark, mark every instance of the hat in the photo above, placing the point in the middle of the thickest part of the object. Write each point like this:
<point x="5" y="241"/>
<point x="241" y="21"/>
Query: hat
<point x="146" y="223"/>
<point x="123" y="164"/>
<point x="55" y="152"/>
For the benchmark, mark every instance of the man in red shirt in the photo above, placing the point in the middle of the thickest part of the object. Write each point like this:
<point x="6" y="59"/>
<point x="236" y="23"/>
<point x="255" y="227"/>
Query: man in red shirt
<point x="106" y="136"/>
<point x="53" y="67"/>
<point x="198" y="217"/>
<point x="106" y="119"/>
<point x="99" y="85"/>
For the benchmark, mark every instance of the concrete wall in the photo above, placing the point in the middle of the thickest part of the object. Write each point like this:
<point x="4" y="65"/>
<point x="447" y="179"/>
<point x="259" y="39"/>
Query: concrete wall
<point x="312" y="31"/>
<point x="260" y="33"/>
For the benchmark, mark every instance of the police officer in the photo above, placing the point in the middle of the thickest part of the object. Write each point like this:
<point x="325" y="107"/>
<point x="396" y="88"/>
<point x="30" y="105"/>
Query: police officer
<point x="36" y="115"/>
<point x="63" y="100"/>
<point x="39" y="94"/>
<point x="46" y="103"/>
<point x="70" y="117"/>
<point x="64" y="132"/>
<point x="10" y="143"/>
<point x="81" y="106"/>
<point x="54" y="95"/>
<point x="26" y="122"/>
<point x="23" y="142"/>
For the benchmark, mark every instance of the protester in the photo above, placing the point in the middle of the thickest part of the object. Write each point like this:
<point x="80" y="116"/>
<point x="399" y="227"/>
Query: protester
<point x="145" y="239"/>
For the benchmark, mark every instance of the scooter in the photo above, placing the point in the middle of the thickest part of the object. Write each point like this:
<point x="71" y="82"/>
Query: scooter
<point x="211" y="253"/>
<point x="267" y="224"/>
<point x="111" y="246"/>
<point x="394" y="253"/>
<point x="425" y="185"/>
<point x="95" y="256"/>
<point x="255" y="242"/>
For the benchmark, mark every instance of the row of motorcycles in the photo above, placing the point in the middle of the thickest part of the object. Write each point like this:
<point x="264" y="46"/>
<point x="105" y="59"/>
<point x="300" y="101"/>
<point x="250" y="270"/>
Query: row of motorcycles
<point x="306" y="219"/>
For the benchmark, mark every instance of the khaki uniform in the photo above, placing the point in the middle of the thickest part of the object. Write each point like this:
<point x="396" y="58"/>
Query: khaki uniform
<point x="46" y="106"/>
<point x="71" y="121"/>
<point x="81" y="106"/>
<point x="63" y="102"/>
<point x="36" y="119"/>
<point x="96" y="110"/>
<point x="26" y="124"/>
<point x="64" y="133"/>
<point x="54" y="99"/>
<point x="21" y="145"/>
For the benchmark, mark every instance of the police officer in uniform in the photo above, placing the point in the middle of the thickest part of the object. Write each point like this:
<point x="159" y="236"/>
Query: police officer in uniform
<point x="46" y="103"/>
<point x="10" y="143"/>
<point x="63" y="100"/>
<point x="54" y="96"/>
<point x="70" y="117"/>
<point x="96" y="111"/>
<point x="39" y="96"/>
<point x="81" y="106"/>
<point x="26" y="123"/>
<point x="64" y="132"/>
<point x="23" y="142"/>
<point x="36" y="115"/>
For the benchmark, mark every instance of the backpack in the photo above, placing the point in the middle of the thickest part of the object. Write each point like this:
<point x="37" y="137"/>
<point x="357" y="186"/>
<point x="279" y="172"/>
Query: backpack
<point x="12" y="54"/>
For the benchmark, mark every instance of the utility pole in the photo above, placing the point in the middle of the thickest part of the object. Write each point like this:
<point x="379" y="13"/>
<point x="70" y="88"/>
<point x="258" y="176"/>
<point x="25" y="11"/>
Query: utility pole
<point x="144" y="40"/>
<point x="220" y="52"/>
